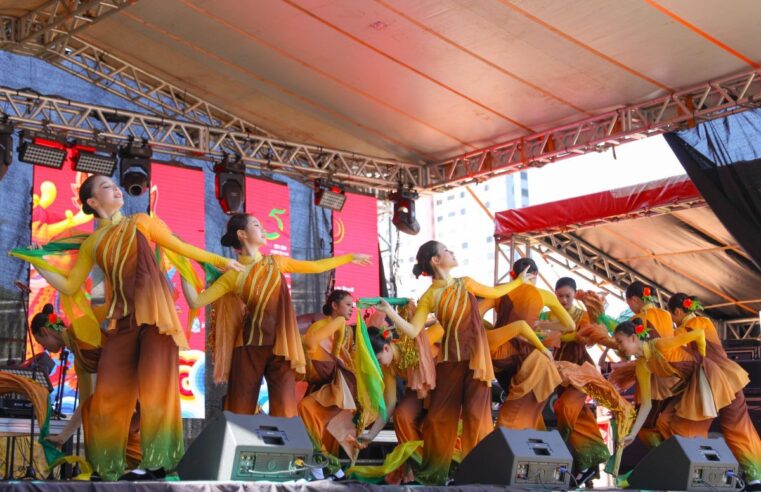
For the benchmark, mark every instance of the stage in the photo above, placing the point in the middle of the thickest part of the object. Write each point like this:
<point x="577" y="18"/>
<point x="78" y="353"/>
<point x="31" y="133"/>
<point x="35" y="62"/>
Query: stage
<point x="317" y="486"/>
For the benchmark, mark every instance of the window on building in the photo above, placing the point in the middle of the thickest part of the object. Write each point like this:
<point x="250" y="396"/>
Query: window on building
<point x="490" y="256"/>
<point x="462" y="194"/>
<point x="462" y="211"/>
<point x="439" y="218"/>
<point x="486" y="187"/>
<point x="489" y="239"/>
<point x="439" y="201"/>
<point x="465" y="261"/>
<point x="487" y="204"/>
<point x="464" y="245"/>
<point x="451" y="214"/>
<point x="450" y="198"/>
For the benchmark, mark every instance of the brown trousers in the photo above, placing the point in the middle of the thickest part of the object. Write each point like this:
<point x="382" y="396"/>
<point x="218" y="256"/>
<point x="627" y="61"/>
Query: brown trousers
<point x="247" y="367"/>
<point x="408" y="418"/>
<point x="137" y="363"/>
<point x="456" y="395"/>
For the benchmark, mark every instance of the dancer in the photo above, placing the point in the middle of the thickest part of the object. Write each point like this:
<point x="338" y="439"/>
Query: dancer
<point x="328" y="409"/>
<point x="641" y="300"/>
<point x="255" y="332"/>
<point x="525" y="368"/>
<point x="577" y="422"/>
<point x="736" y="425"/>
<point x="693" y="406"/>
<point x="140" y="360"/>
<point x="409" y="360"/>
<point x="464" y="371"/>
<point x="49" y="331"/>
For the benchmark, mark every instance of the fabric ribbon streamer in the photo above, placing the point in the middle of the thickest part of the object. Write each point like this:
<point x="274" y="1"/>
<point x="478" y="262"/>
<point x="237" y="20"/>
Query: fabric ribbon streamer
<point x="366" y="302"/>
<point x="370" y="384"/>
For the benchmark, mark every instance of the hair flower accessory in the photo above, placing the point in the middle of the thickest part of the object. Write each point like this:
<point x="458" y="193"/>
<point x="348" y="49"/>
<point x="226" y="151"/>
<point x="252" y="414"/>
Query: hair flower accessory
<point x="647" y="295"/>
<point x="54" y="322"/>
<point x="513" y="275"/>
<point x="692" y="305"/>
<point x="641" y="331"/>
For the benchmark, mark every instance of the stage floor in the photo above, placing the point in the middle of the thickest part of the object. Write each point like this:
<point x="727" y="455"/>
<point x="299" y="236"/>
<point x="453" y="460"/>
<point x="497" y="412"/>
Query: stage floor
<point x="316" y="486"/>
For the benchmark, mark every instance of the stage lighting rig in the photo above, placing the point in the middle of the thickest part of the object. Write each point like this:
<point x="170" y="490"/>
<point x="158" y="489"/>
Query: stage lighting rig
<point x="94" y="158"/>
<point x="404" y="210"/>
<point x="329" y="195"/>
<point x="230" y="184"/>
<point x="135" y="164"/>
<point x="42" y="149"/>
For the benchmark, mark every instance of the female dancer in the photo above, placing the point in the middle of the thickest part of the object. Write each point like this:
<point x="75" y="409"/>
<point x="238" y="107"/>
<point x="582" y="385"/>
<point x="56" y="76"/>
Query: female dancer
<point x="49" y="331"/>
<point x="525" y="367"/>
<point x="140" y="360"/>
<point x="736" y="425"/>
<point x="686" y="414"/>
<point x="577" y="423"/>
<point x="403" y="359"/>
<point x="464" y="371"/>
<point x="641" y="300"/>
<point x="332" y="401"/>
<point x="267" y="342"/>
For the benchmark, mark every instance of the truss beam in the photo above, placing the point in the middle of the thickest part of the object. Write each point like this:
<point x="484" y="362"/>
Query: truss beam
<point x="682" y="109"/>
<point x="175" y="137"/>
<point x="47" y="29"/>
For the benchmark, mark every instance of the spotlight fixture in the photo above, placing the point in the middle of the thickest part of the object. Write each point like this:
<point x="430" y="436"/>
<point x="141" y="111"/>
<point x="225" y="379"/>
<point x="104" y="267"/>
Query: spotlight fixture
<point x="42" y="150"/>
<point x="230" y="184"/>
<point x="404" y="210"/>
<point x="135" y="164"/>
<point x="6" y="145"/>
<point x="94" y="159"/>
<point x="329" y="195"/>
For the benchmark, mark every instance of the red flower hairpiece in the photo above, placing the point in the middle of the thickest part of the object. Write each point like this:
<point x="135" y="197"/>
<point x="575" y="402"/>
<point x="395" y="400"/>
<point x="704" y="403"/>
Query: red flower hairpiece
<point x="425" y="274"/>
<point x="646" y="292"/>
<point x="687" y="303"/>
<point x="54" y="322"/>
<point x="387" y="334"/>
<point x="52" y="318"/>
<point x="641" y="331"/>
<point x="513" y="275"/>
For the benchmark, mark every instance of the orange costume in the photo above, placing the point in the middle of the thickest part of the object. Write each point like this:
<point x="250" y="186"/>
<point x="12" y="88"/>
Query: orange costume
<point x="463" y="372"/>
<point x="327" y="413"/>
<point x="736" y="425"/>
<point x="523" y="370"/>
<point x="657" y="320"/>
<point x="702" y="389"/>
<point x="577" y="423"/>
<point x="255" y="331"/>
<point x="140" y="359"/>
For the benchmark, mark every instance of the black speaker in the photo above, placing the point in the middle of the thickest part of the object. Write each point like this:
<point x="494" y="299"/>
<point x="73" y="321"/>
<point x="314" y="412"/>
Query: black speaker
<point x="525" y="458"/>
<point x="686" y="464"/>
<point x="248" y="448"/>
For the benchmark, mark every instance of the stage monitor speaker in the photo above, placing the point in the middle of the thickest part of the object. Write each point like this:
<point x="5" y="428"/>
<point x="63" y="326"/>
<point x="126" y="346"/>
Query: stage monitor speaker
<point x="248" y="448"/>
<point x="686" y="464"/>
<point x="522" y="458"/>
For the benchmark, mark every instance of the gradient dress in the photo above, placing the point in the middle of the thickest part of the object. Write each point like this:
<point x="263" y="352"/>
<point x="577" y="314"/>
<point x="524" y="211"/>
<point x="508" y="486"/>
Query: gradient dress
<point x="736" y="425"/>
<point x="139" y="362"/>
<point x="463" y="372"/>
<point x="255" y="332"/>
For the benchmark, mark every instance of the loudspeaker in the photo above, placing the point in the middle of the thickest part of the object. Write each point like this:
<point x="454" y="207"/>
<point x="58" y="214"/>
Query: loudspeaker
<point x="526" y="458"/>
<point x="686" y="464"/>
<point x="247" y="448"/>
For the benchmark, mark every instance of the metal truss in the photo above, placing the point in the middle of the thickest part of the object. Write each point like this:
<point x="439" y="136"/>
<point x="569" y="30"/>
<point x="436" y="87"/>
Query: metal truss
<point x="743" y="329"/>
<point x="574" y="254"/>
<point x="682" y="109"/>
<point x="47" y="29"/>
<point x="174" y="137"/>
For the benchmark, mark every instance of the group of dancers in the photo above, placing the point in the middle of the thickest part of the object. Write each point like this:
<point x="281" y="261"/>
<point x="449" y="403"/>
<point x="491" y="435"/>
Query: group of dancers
<point x="441" y="349"/>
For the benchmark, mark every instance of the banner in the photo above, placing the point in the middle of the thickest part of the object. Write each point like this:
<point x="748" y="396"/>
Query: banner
<point x="55" y="213"/>
<point x="177" y="199"/>
<point x="270" y="203"/>
<point x="355" y="230"/>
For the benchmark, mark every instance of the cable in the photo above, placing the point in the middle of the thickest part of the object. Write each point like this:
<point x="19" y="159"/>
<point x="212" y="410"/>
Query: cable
<point x="565" y="470"/>
<point x="740" y="481"/>
<point x="713" y="489"/>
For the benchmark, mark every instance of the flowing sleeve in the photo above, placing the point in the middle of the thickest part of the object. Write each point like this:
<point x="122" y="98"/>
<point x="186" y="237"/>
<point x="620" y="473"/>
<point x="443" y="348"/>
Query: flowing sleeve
<point x="160" y="234"/>
<point x="223" y="285"/>
<point x="480" y="290"/>
<point x="289" y="265"/>
<point x="424" y="308"/>
<point x="551" y="301"/>
<point x="665" y="345"/>
<point x="321" y="331"/>
<point x="500" y="336"/>
<point x="642" y="373"/>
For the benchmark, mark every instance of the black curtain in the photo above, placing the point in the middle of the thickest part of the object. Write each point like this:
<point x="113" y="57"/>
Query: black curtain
<point x="723" y="159"/>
